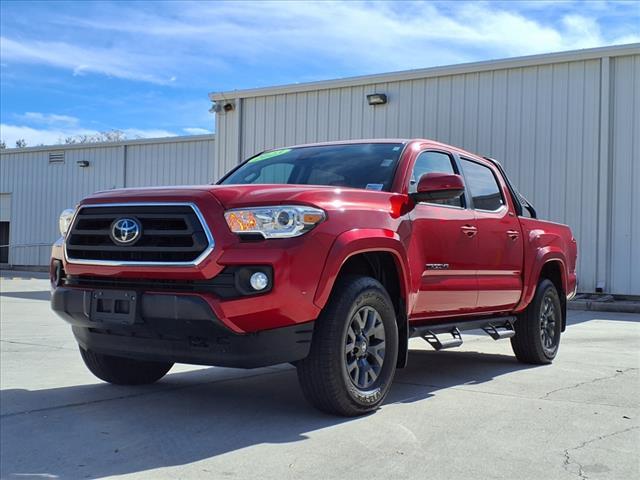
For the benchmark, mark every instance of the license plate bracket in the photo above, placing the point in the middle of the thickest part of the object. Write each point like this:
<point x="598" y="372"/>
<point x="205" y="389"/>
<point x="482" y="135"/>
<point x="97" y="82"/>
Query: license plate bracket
<point x="114" y="306"/>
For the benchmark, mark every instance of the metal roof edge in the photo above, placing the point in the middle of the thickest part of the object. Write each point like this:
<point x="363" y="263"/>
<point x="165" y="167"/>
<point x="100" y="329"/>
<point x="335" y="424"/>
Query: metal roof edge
<point x="515" y="62"/>
<point x="140" y="141"/>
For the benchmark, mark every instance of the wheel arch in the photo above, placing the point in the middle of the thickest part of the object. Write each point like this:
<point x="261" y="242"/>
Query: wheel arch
<point x="553" y="270"/>
<point x="376" y="253"/>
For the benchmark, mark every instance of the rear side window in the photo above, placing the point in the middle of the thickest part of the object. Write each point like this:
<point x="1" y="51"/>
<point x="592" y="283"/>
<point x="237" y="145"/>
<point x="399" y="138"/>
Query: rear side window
<point x="482" y="185"/>
<point x="432" y="162"/>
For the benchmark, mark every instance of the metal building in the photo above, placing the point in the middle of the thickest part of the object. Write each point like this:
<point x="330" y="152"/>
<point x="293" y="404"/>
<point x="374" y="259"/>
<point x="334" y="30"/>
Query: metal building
<point x="37" y="183"/>
<point x="565" y="125"/>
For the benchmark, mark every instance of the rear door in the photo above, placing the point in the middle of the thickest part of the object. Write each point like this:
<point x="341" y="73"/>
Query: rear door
<point x="443" y="246"/>
<point x="500" y="251"/>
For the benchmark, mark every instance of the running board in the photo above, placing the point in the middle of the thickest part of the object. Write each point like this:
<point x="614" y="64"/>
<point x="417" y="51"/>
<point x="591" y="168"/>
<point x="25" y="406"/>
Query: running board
<point x="439" y="344"/>
<point x="496" y="327"/>
<point x="498" y="332"/>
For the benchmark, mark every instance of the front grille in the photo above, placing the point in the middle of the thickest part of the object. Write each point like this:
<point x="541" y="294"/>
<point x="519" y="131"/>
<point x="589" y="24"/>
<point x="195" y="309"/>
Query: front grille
<point x="170" y="234"/>
<point x="222" y="285"/>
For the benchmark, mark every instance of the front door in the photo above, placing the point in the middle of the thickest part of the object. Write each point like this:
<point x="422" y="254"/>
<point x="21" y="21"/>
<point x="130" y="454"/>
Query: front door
<point x="500" y="244"/>
<point x="443" y="247"/>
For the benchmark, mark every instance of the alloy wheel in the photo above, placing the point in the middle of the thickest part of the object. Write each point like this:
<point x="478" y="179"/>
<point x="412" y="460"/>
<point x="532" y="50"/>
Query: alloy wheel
<point x="364" y="347"/>
<point x="548" y="319"/>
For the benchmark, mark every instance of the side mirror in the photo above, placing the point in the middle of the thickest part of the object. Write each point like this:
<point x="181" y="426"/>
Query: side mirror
<point x="438" y="186"/>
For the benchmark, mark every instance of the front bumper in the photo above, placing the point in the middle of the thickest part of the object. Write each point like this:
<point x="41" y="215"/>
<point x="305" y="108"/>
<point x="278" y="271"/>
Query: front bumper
<point x="179" y="328"/>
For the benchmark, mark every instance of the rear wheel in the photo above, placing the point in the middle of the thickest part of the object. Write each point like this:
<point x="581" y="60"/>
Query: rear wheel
<point x="538" y="328"/>
<point x="354" y="349"/>
<point x="124" y="371"/>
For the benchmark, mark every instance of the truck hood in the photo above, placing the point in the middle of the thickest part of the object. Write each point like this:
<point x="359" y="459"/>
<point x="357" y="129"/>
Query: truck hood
<point x="238" y="196"/>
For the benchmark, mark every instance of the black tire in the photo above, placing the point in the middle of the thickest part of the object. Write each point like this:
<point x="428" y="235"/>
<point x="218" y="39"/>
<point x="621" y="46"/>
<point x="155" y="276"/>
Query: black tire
<point x="537" y="337"/>
<point x="324" y="376"/>
<point x="124" y="371"/>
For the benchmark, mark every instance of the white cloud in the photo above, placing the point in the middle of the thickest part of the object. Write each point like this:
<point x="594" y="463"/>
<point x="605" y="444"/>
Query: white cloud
<point x="33" y="136"/>
<point x="55" y="135"/>
<point x="48" y="119"/>
<point x="179" y="43"/>
<point x="115" y="62"/>
<point x="196" y="131"/>
<point x="132" y="133"/>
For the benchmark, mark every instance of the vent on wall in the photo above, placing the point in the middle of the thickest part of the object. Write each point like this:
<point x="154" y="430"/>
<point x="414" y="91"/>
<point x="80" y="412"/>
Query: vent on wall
<point x="56" y="157"/>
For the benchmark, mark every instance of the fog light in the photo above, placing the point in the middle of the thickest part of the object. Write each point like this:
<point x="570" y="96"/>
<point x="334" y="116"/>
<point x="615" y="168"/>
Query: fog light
<point x="56" y="274"/>
<point x="259" y="281"/>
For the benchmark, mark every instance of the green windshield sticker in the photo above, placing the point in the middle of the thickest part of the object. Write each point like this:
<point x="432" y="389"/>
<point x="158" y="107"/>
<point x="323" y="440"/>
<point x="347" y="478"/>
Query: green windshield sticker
<point x="271" y="154"/>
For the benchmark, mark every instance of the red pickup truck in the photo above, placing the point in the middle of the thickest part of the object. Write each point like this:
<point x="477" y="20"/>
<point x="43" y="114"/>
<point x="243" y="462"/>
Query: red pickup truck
<point x="327" y="256"/>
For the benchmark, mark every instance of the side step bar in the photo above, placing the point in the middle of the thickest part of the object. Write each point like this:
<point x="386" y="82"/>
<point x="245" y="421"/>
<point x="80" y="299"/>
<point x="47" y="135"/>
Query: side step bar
<point x="496" y="327"/>
<point x="438" y="344"/>
<point x="498" y="332"/>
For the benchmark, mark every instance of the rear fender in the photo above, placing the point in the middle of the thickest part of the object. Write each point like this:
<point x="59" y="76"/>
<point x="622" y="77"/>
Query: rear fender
<point x="543" y="256"/>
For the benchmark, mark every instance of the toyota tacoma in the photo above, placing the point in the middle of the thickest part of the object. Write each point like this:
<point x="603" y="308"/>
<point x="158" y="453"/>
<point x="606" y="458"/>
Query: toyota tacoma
<point x="326" y="256"/>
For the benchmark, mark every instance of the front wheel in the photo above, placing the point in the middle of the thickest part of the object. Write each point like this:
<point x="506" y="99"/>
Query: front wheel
<point x="354" y="349"/>
<point x="123" y="371"/>
<point x="538" y="328"/>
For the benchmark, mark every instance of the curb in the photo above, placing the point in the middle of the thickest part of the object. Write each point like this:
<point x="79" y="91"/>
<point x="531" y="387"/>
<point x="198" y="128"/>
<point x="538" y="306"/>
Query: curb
<point x="604" y="305"/>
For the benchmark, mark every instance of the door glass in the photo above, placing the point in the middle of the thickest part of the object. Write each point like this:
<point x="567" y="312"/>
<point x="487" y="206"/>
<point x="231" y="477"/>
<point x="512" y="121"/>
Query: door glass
<point x="482" y="185"/>
<point x="431" y="162"/>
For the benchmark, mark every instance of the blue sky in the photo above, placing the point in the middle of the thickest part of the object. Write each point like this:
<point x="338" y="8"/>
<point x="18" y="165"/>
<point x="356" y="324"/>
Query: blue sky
<point x="70" y="68"/>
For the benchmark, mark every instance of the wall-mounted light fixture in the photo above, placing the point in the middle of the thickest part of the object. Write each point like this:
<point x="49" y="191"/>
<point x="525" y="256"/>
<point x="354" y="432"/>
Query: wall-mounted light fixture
<point x="223" y="107"/>
<point x="376" y="99"/>
<point x="83" y="163"/>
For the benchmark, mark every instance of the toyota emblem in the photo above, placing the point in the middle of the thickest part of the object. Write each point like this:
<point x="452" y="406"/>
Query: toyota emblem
<point x="125" y="231"/>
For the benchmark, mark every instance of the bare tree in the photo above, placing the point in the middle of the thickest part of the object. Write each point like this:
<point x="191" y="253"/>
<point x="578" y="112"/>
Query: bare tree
<point x="3" y="145"/>
<point x="21" y="143"/>
<point x="106" y="136"/>
<point x="112" y="136"/>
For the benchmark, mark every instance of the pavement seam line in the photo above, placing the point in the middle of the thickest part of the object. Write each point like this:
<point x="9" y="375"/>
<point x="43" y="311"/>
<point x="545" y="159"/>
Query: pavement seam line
<point x="36" y="345"/>
<point x="587" y="382"/>
<point x="510" y="395"/>
<point x="141" y="394"/>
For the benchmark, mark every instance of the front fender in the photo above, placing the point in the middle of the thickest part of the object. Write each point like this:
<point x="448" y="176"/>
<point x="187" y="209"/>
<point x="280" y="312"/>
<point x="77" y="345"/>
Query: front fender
<point x="353" y="242"/>
<point x="57" y="250"/>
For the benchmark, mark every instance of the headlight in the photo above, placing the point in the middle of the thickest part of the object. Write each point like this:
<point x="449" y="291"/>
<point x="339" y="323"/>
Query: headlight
<point x="65" y="220"/>
<point x="281" y="221"/>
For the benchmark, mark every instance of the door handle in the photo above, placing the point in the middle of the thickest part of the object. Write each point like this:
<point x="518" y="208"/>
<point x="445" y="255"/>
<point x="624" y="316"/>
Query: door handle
<point x="513" y="234"/>
<point x="469" y="230"/>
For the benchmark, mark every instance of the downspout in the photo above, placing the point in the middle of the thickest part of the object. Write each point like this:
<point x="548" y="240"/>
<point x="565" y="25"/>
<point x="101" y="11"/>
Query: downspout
<point x="239" y="139"/>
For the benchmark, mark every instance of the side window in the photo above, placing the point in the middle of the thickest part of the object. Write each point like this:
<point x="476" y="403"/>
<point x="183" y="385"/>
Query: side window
<point x="428" y="162"/>
<point x="482" y="185"/>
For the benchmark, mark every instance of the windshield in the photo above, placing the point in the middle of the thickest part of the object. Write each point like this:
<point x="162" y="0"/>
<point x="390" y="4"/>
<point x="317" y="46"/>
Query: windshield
<point x="364" y="165"/>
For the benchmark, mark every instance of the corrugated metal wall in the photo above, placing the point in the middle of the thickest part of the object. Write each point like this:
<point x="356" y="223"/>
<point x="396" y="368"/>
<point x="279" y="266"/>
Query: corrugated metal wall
<point x="625" y="175"/>
<point x="170" y="163"/>
<point x="543" y="121"/>
<point x="41" y="190"/>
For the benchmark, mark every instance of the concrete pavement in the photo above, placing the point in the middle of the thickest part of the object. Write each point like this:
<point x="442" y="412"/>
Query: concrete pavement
<point x="473" y="412"/>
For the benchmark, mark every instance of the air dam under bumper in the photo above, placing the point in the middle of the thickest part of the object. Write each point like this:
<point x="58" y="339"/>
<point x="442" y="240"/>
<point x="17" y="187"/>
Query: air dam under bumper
<point x="180" y="329"/>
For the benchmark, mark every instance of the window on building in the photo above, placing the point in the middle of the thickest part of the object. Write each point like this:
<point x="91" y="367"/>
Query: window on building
<point x="4" y="242"/>
<point x="483" y="186"/>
